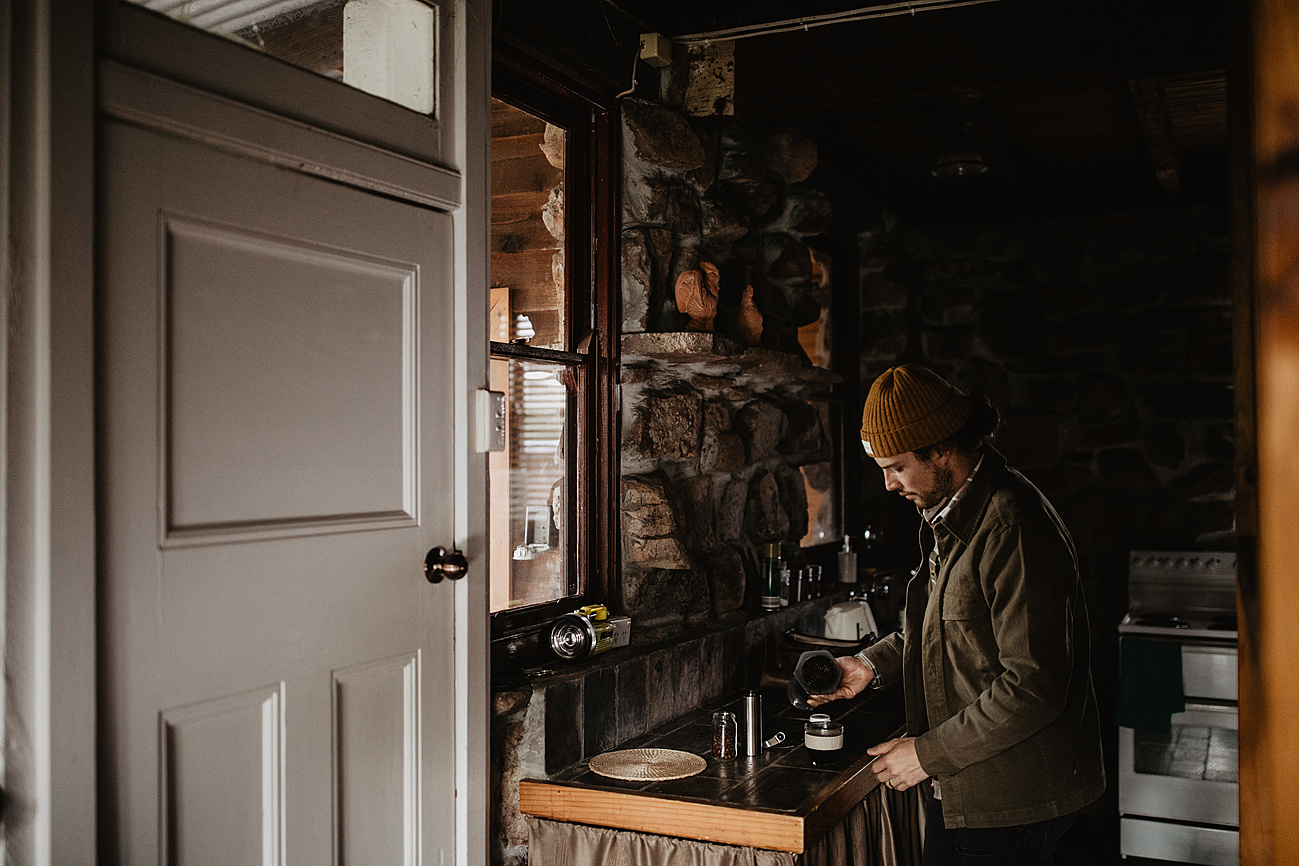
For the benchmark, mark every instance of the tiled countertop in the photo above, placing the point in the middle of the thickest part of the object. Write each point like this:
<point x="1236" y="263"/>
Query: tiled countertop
<point x="780" y="799"/>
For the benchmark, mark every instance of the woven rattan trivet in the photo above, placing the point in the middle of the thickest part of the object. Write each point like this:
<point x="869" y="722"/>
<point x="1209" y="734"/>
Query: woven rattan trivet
<point x="647" y="765"/>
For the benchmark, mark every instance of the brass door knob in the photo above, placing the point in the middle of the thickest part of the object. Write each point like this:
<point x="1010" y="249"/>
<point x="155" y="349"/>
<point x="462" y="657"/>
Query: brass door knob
<point x="438" y="563"/>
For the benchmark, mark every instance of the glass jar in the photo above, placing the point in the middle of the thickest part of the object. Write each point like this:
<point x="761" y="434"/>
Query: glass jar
<point x="821" y="734"/>
<point x="726" y="734"/>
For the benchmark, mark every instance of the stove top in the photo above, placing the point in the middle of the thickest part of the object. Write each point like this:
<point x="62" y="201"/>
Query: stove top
<point x="1182" y="595"/>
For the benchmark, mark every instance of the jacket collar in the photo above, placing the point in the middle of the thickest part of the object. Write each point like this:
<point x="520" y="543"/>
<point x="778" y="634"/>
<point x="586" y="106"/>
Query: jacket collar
<point x="967" y="513"/>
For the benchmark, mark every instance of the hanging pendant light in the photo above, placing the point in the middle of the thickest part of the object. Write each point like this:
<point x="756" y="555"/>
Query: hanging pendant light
<point x="959" y="158"/>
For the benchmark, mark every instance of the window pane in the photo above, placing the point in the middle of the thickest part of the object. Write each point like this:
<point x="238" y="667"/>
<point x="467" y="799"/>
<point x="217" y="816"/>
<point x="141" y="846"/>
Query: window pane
<point x="528" y="267"/>
<point x="528" y="492"/>
<point x="384" y="47"/>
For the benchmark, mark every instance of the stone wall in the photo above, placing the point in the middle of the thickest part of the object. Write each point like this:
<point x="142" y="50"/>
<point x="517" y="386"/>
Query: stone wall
<point x="720" y="429"/>
<point x="1106" y="341"/>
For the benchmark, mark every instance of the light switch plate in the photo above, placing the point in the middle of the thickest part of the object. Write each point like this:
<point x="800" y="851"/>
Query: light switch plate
<point x="491" y="420"/>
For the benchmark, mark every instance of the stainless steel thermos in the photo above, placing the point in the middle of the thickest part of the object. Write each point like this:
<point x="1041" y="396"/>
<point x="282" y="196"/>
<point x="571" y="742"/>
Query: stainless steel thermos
<point x="752" y="723"/>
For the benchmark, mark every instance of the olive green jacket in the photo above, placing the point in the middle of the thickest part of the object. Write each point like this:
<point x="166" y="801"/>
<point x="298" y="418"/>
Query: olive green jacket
<point x="994" y="659"/>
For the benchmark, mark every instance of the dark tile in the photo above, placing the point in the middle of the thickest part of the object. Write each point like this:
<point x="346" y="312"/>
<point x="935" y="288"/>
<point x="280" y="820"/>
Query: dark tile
<point x="733" y="656"/>
<point x="583" y="775"/>
<point x="755" y="651"/>
<point x="695" y="737"/>
<point x="687" y="665"/>
<point x="712" y="666"/>
<point x="660" y="687"/>
<point x="700" y="787"/>
<point x="778" y="787"/>
<point x="629" y="690"/>
<point x="599" y="712"/>
<point x="563" y="725"/>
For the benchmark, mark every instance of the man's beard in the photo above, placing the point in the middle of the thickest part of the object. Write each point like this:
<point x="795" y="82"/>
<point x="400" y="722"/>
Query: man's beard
<point x="943" y="487"/>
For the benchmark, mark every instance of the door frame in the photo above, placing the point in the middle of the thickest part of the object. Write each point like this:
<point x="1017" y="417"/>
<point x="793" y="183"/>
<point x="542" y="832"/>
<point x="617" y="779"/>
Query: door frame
<point x="49" y="481"/>
<point x="47" y="355"/>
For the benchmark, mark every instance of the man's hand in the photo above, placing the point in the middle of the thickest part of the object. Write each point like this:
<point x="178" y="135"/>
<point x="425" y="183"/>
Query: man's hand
<point x="896" y="764"/>
<point x="857" y="675"/>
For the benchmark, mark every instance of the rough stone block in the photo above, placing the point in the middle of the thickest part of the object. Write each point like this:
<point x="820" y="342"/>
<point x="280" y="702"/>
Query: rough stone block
<point x="805" y="434"/>
<point x="697" y="512"/>
<point x="1165" y="445"/>
<point x="725" y="570"/>
<point x="1012" y="325"/>
<point x="661" y="136"/>
<point x="765" y="518"/>
<point x="670" y="423"/>
<point x="807" y="211"/>
<point x="792" y="153"/>
<point x="728" y="523"/>
<point x="879" y="291"/>
<point x="721" y="223"/>
<point x="761" y="425"/>
<point x="1124" y="468"/>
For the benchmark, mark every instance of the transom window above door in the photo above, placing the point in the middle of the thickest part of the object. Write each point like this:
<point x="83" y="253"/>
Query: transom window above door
<point x="387" y="48"/>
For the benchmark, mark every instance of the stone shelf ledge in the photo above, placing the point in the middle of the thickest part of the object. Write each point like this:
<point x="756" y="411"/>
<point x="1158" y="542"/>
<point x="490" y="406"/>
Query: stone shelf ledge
<point x="715" y="354"/>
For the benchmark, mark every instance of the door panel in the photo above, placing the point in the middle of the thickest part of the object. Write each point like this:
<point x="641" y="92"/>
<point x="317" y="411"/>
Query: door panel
<point x="270" y="344"/>
<point x="275" y="456"/>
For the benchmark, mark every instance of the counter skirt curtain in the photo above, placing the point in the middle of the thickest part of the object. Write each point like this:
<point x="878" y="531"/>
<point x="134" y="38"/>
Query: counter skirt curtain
<point x="884" y="829"/>
<point x="887" y="828"/>
<point x="557" y="843"/>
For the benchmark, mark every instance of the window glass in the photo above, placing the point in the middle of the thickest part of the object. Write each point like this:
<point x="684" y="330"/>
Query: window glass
<point x="532" y="483"/>
<point x="528" y="231"/>
<point x="528" y="484"/>
<point x="385" y="47"/>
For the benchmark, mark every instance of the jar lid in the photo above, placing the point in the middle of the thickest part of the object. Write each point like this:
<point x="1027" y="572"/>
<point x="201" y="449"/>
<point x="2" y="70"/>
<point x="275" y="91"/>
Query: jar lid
<point x="724" y="716"/>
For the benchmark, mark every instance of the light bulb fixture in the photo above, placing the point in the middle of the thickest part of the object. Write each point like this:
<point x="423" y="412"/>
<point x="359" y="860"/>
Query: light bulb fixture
<point x="959" y="158"/>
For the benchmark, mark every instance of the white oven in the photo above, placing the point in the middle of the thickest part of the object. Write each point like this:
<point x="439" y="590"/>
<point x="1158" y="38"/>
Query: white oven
<point x="1178" y="790"/>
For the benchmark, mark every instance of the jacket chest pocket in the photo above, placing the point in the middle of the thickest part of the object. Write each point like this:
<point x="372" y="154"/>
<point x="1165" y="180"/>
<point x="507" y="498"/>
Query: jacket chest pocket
<point x="959" y="606"/>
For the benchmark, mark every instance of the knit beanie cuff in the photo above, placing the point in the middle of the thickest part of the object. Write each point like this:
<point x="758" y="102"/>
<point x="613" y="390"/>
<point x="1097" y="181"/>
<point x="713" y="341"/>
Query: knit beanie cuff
<point x="910" y="407"/>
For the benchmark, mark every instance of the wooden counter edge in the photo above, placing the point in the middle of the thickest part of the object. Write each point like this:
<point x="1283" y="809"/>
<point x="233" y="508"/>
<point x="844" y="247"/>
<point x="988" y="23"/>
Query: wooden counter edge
<point x="645" y="813"/>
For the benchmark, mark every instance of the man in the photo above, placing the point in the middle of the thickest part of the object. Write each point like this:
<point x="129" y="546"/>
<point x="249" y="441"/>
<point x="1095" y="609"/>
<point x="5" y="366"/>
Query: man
<point x="1002" y="726"/>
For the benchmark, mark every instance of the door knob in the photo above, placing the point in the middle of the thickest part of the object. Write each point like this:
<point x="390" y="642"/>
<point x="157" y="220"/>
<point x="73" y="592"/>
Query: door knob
<point x="438" y="563"/>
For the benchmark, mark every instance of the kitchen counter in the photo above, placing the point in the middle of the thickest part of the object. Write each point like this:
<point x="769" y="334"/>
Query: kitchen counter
<point x="782" y="799"/>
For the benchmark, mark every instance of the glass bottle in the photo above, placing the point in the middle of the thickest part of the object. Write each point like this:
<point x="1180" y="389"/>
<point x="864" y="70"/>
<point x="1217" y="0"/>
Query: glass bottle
<point x="771" y="576"/>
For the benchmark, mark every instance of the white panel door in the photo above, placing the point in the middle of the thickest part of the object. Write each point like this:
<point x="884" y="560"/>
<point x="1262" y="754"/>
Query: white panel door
<point x="276" y="457"/>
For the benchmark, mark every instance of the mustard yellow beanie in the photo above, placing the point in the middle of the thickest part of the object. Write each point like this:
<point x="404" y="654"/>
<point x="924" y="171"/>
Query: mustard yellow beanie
<point x="910" y="407"/>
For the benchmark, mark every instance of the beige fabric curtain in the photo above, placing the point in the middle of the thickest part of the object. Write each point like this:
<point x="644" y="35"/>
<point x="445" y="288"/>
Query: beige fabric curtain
<point x="555" y="843"/>
<point x="884" y="829"/>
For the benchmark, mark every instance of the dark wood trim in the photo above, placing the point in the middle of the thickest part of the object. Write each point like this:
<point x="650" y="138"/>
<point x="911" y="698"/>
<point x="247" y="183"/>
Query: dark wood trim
<point x="537" y="353"/>
<point x="1152" y="114"/>
<point x="591" y="319"/>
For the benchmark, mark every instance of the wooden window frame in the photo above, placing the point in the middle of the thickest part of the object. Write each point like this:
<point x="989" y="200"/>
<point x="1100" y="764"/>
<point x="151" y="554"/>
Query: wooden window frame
<point x="591" y="278"/>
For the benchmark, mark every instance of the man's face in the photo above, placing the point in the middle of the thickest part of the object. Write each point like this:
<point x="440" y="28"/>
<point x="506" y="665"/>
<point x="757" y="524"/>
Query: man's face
<point x="925" y="483"/>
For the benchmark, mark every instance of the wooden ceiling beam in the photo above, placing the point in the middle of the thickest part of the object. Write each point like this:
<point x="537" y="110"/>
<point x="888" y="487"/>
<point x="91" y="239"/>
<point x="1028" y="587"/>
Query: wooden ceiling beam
<point x="1157" y="128"/>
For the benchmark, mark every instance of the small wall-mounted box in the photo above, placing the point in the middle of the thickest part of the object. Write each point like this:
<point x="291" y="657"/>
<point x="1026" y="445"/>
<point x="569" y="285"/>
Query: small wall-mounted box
<point x="656" y="49"/>
<point x="491" y="421"/>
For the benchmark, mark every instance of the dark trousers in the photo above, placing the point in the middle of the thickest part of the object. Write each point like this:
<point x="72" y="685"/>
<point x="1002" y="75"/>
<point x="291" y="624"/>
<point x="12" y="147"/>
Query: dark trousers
<point x="1021" y="845"/>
